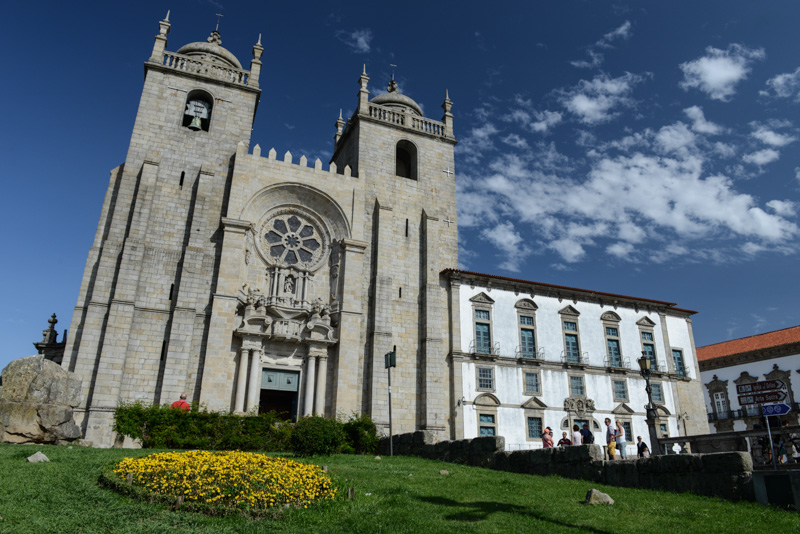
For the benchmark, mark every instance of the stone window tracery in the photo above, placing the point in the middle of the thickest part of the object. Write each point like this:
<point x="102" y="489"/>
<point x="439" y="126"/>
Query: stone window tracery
<point x="289" y="238"/>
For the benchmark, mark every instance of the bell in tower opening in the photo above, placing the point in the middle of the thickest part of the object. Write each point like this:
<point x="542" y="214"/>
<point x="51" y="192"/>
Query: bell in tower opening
<point x="197" y="115"/>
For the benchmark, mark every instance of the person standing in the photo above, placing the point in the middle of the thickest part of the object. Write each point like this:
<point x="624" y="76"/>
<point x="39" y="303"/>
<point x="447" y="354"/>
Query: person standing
<point x="577" y="438"/>
<point x="547" y="438"/>
<point x="181" y="404"/>
<point x="586" y="434"/>
<point x="641" y="448"/>
<point x="564" y="441"/>
<point x="610" y="439"/>
<point x="619" y="434"/>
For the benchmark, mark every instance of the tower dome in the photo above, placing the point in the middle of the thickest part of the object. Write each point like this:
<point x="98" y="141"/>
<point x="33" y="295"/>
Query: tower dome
<point x="393" y="99"/>
<point x="211" y="51"/>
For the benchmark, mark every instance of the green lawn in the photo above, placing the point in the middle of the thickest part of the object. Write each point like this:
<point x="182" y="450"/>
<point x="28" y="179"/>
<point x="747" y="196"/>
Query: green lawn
<point x="400" y="494"/>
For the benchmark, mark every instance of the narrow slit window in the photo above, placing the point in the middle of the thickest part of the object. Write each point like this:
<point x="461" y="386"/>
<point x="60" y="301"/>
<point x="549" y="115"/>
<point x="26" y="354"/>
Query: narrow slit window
<point x="183" y="175"/>
<point x="171" y="291"/>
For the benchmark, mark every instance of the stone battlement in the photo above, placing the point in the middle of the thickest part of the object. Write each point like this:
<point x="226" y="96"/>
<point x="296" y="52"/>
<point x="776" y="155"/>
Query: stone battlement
<point x="272" y="156"/>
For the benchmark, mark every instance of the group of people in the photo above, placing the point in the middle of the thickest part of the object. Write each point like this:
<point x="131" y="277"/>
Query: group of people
<point x="580" y="436"/>
<point x="616" y="442"/>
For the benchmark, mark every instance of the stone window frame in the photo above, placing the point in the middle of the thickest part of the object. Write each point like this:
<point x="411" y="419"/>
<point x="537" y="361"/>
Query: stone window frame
<point x="647" y="326"/>
<point x="718" y="386"/>
<point x="527" y="308"/>
<point x="525" y="390"/>
<point x="533" y="415"/>
<point x="661" y="389"/>
<point x="486" y="404"/>
<point x="624" y="381"/>
<point x="493" y="378"/>
<point x="745" y="378"/>
<point x="198" y="94"/>
<point x="569" y="420"/>
<point x="412" y="153"/>
<point x="482" y="302"/>
<point x="569" y="314"/>
<point x="612" y="320"/>
<point x="570" y="376"/>
<point x="682" y="352"/>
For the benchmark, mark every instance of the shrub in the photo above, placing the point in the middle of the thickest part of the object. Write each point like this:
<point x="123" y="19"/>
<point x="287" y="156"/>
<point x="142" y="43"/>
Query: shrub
<point x="317" y="435"/>
<point x="362" y="435"/>
<point x="163" y="427"/>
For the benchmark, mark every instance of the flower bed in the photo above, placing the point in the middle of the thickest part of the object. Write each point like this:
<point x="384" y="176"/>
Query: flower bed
<point x="225" y="480"/>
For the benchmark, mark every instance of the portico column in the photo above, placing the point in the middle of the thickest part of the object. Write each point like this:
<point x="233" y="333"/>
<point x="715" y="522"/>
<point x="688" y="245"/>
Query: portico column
<point x="241" y="381"/>
<point x="254" y="388"/>
<point x="309" y="401"/>
<point x="322" y="373"/>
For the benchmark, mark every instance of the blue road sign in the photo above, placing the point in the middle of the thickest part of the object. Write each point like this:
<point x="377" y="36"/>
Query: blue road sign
<point x="775" y="409"/>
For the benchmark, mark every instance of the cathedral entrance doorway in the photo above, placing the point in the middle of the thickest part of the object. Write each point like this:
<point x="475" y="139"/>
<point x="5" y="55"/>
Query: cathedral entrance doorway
<point x="279" y="392"/>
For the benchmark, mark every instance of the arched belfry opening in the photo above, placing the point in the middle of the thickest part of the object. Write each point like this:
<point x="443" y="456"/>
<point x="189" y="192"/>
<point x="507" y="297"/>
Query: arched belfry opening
<point x="197" y="112"/>
<point x="406" y="160"/>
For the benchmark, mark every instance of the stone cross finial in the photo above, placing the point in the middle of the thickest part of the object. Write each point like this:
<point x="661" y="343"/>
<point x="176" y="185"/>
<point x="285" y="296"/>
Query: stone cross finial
<point x="219" y="15"/>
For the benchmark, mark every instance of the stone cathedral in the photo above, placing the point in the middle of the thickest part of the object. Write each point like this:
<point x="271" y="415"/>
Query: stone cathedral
<point x="265" y="282"/>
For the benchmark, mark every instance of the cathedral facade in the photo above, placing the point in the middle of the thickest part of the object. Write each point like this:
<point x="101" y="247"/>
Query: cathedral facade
<point x="257" y="282"/>
<point x="261" y="281"/>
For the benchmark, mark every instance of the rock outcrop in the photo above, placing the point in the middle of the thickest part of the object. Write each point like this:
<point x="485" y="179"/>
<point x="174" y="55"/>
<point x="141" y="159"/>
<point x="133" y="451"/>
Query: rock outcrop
<point x="36" y="402"/>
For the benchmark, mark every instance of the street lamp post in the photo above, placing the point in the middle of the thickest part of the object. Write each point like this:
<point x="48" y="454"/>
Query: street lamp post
<point x="644" y="366"/>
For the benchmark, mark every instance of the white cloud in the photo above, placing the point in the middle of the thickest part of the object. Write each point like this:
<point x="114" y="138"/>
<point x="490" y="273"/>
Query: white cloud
<point x="772" y="138"/>
<point x="784" y="85"/>
<point x="477" y="143"/>
<point x="718" y="72"/>
<point x="620" y="250"/>
<point x="505" y="238"/>
<point x="358" y="40"/>
<point x="797" y="173"/>
<point x="515" y="140"/>
<point x="784" y="208"/>
<point x="595" y="57"/>
<point x="725" y="150"/>
<point x="675" y="137"/>
<point x="531" y="119"/>
<point x="545" y="120"/>
<point x="699" y="122"/>
<point x="762" y="157"/>
<point x="594" y="101"/>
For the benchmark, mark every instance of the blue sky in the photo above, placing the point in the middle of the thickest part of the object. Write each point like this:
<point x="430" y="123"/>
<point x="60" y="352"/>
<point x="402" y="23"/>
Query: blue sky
<point x="642" y="148"/>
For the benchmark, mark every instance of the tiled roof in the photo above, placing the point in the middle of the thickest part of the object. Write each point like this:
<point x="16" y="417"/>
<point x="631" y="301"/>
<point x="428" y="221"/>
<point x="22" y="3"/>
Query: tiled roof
<point x="749" y="344"/>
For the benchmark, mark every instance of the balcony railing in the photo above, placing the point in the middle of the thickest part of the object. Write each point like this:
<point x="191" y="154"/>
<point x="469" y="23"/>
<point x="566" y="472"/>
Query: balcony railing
<point x="530" y="354"/>
<point x="484" y="348"/>
<point x="574" y="357"/>
<point x="618" y="363"/>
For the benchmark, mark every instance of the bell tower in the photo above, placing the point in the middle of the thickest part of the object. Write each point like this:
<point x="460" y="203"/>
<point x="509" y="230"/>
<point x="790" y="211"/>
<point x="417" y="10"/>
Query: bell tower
<point x="406" y="164"/>
<point x="140" y="325"/>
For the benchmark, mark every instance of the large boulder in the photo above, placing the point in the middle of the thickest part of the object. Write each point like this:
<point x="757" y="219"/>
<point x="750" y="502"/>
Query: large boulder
<point x="36" y="402"/>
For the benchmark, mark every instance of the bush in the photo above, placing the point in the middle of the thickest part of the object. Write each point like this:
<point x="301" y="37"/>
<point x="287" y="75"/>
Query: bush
<point x="362" y="435"/>
<point x="163" y="427"/>
<point x="317" y="435"/>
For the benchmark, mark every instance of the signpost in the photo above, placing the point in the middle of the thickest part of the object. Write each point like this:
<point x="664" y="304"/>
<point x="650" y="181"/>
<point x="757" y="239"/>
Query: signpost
<point x="758" y="387"/>
<point x="761" y="398"/>
<point x="390" y="360"/>
<point x="766" y="391"/>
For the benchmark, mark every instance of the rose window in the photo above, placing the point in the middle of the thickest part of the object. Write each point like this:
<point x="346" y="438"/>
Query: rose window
<point x="291" y="240"/>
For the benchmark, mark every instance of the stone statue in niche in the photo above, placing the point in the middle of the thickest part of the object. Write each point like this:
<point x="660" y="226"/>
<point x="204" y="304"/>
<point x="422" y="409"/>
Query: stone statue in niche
<point x="247" y="255"/>
<point x="288" y="285"/>
<point x="320" y="313"/>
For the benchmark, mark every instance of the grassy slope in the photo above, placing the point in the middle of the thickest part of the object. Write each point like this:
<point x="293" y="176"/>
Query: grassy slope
<point x="406" y="495"/>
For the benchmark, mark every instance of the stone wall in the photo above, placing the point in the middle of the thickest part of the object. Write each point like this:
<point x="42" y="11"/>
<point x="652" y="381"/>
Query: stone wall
<point x="726" y="474"/>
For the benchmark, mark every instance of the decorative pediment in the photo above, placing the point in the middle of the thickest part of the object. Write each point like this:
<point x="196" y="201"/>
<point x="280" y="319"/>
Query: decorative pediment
<point x="610" y="317"/>
<point x="716" y="385"/>
<point x="487" y="399"/>
<point x="662" y="409"/>
<point x="622" y="409"/>
<point x="646" y="322"/>
<point x="578" y="405"/>
<point x="569" y="310"/>
<point x="745" y="378"/>
<point x="777" y="374"/>
<point x="526" y="304"/>
<point x="534" y="404"/>
<point x="481" y="298"/>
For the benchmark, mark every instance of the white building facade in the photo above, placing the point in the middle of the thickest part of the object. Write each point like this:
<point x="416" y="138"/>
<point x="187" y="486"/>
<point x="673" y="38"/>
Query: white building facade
<point x="724" y="366"/>
<point x="534" y="355"/>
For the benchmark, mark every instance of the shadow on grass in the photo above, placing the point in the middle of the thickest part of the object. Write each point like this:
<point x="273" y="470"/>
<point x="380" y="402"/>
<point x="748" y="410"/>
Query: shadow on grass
<point x="481" y="510"/>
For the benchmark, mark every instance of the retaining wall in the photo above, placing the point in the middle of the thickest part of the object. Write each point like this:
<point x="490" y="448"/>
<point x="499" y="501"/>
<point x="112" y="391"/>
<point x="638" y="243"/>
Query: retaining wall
<point x="725" y="474"/>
